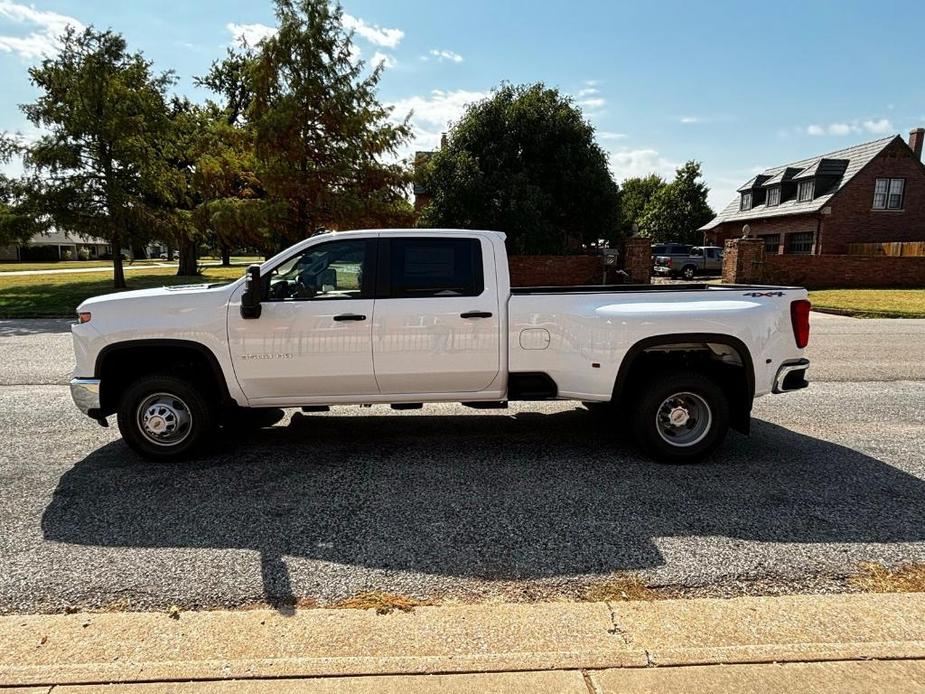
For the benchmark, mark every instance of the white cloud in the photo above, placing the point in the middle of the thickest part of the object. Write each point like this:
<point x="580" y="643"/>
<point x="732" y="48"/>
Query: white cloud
<point x="589" y="96"/>
<point x="592" y="102"/>
<point x="44" y="40"/>
<point x="879" y="126"/>
<point x="432" y="115"/>
<point x="444" y="54"/>
<point x="388" y="38"/>
<point x="689" y="120"/>
<point x="607" y="135"/>
<point x="250" y="34"/>
<point x="386" y="60"/>
<point x="841" y="129"/>
<point x="628" y="163"/>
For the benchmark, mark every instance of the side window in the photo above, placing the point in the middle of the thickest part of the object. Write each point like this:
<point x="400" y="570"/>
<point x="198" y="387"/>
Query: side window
<point x="697" y="252"/>
<point x="332" y="270"/>
<point x="429" y="267"/>
<point x="711" y="253"/>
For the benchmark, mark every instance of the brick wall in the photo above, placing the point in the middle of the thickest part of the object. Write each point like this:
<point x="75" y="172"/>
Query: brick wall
<point x="637" y="259"/>
<point x="742" y="261"/>
<point x="844" y="271"/>
<point x="554" y="270"/>
<point x="854" y="221"/>
<point x="761" y="227"/>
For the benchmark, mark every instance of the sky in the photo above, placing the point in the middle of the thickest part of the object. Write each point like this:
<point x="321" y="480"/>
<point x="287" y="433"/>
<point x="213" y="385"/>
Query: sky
<point x="736" y="86"/>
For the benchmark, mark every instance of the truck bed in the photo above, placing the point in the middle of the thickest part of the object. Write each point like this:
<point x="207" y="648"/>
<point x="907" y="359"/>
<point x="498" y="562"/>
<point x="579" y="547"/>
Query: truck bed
<point x="627" y="288"/>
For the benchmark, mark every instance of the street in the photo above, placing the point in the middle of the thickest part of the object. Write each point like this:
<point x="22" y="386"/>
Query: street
<point x="537" y="501"/>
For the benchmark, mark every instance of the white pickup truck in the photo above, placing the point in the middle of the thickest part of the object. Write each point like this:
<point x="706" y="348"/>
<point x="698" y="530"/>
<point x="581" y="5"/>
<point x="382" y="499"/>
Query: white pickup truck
<point x="404" y="317"/>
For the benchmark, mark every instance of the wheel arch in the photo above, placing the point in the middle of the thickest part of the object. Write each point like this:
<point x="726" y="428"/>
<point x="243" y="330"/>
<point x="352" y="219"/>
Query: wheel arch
<point x="741" y="390"/>
<point x="119" y="363"/>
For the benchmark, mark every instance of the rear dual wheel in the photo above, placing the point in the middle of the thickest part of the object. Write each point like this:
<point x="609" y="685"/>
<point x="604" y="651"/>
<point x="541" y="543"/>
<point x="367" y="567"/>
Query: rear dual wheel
<point x="681" y="417"/>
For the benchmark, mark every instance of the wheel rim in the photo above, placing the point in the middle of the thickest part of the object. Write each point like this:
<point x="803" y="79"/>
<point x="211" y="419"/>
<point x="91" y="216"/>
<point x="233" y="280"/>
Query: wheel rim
<point x="164" y="419"/>
<point x="688" y="273"/>
<point x="683" y="419"/>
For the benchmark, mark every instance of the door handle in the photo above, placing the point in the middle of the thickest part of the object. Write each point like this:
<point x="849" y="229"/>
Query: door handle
<point x="475" y="314"/>
<point x="349" y="316"/>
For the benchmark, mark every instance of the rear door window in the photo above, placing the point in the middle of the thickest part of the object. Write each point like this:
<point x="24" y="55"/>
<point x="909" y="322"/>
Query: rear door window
<point x="429" y="267"/>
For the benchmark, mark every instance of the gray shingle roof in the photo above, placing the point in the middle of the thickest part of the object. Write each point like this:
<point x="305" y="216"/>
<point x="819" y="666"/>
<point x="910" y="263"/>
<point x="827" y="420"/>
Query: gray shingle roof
<point x="857" y="157"/>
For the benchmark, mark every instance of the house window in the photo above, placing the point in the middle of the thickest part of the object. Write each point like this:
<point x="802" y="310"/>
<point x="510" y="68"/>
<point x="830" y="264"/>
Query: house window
<point x="888" y="193"/>
<point x="805" y="190"/>
<point x="774" y="196"/>
<point x="771" y="243"/>
<point x="746" y="203"/>
<point x="801" y="243"/>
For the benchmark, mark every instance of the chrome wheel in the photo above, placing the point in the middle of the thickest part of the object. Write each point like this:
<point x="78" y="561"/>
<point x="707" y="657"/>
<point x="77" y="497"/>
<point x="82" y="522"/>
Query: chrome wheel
<point x="683" y="419"/>
<point x="164" y="419"/>
<point x="688" y="273"/>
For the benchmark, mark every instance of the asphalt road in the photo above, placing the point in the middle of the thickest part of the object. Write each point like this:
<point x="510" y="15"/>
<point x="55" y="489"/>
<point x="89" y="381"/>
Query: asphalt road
<point x="537" y="501"/>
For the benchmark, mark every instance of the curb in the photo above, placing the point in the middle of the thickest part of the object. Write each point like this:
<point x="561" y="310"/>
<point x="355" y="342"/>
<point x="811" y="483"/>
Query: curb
<point x="44" y="650"/>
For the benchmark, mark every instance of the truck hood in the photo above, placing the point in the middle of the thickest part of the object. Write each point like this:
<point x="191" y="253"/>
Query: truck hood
<point x="168" y="295"/>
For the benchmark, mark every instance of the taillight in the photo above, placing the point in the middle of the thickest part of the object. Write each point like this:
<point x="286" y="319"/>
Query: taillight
<point x="668" y="264"/>
<point x="799" y="317"/>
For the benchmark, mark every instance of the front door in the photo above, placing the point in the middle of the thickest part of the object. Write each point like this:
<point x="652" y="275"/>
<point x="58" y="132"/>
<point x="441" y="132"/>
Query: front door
<point x="437" y="325"/>
<point x="314" y="335"/>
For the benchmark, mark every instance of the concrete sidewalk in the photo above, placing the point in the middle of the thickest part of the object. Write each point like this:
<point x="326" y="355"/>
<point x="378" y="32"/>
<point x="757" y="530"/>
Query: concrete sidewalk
<point x="815" y="643"/>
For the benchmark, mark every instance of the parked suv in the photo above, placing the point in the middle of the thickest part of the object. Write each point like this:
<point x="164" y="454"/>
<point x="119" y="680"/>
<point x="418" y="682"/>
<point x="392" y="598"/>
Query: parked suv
<point x="699" y="260"/>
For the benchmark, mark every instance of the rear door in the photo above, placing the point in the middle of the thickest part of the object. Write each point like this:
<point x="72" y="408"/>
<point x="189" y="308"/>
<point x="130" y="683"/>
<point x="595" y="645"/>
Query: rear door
<point x="437" y="323"/>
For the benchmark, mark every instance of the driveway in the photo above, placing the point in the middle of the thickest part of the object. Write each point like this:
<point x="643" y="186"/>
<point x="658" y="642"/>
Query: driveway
<point x="537" y="501"/>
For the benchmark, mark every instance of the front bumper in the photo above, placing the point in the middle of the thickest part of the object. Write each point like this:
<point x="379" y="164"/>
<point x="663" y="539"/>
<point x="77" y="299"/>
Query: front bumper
<point x="86" y="395"/>
<point x="791" y="376"/>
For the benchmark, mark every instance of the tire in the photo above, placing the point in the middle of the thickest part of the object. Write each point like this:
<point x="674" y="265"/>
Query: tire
<point x="681" y="417"/>
<point x="688" y="272"/>
<point x="164" y="418"/>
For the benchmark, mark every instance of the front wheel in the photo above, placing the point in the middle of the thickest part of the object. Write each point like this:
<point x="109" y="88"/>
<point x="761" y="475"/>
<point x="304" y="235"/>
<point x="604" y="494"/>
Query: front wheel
<point x="681" y="417"/>
<point x="164" y="418"/>
<point x="688" y="272"/>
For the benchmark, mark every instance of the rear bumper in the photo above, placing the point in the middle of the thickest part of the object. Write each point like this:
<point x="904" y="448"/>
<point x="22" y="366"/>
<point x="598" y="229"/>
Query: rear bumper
<point x="86" y="395"/>
<point x="791" y="376"/>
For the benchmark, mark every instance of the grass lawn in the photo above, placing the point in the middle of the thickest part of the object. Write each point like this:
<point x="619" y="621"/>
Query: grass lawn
<point x="44" y="296"/>
<point x="67" y="265"/>
<point x="871" y="303"/>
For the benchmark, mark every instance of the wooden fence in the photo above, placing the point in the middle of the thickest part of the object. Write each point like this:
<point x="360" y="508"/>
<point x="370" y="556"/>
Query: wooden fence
<point x="896" y="248"/>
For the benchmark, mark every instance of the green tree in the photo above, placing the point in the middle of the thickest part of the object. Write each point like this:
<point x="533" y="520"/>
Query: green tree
<point x="321" y="136"/>
<point x="234" y="207"/>
<point x="635" y="194"/>
<point x="525" y="162"/>
<point x="677" y="210"/>
<point x="104" y="115"/>
<point x="18" y="220"/>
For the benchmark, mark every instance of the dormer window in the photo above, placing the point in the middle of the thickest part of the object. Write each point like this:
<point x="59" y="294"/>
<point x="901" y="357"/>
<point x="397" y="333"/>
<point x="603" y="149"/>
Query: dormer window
<point x="805" y="191"/>
<point x="746" y="202"/>
<point x="773" y="196"/>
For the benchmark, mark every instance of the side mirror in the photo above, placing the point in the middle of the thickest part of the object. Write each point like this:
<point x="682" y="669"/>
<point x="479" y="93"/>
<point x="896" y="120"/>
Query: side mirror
<point x="253" y="291"/>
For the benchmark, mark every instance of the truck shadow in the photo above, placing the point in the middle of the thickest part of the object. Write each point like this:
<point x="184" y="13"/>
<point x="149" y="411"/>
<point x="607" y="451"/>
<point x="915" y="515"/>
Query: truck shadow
<point x="495" y="497"/>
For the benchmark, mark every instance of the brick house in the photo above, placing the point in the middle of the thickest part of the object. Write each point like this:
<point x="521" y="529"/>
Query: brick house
<point x="870" y="193"/>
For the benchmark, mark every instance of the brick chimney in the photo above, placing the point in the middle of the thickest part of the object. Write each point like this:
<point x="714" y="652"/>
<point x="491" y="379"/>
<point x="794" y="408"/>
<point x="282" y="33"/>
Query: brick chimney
<point x="916" y="137"/>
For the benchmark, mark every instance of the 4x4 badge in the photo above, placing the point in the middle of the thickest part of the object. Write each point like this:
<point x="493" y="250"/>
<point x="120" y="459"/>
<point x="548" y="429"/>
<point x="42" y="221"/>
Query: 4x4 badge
<point x="760" y="294"/>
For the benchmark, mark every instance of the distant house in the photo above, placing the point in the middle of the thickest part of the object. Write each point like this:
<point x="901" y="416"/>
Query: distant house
<point x="870" y="193"/>
<point x="421" y="194"/>
<point x="58" y="245"/>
